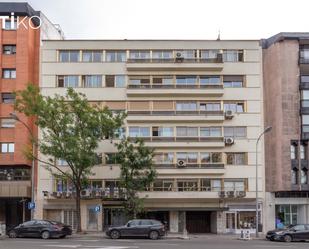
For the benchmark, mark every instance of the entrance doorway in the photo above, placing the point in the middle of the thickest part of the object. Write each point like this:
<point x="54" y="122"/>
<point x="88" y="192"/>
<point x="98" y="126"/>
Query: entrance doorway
<point x="198" y="221"/>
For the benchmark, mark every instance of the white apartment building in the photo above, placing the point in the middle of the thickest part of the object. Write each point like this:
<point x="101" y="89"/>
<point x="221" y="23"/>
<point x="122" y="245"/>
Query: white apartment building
<point x="197" y="102"/>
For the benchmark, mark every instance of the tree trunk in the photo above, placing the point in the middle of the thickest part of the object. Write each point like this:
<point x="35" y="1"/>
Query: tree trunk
<point x="78" y="213"/>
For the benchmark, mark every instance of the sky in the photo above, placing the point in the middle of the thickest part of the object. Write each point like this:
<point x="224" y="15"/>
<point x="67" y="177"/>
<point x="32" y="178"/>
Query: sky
<point x="174" y="19"/>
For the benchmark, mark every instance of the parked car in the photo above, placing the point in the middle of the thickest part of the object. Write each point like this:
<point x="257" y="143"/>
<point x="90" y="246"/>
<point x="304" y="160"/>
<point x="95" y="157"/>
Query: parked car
<point x="44" y="229"/>
<point x="291" y="233"/>
<point x="152" y="229"/>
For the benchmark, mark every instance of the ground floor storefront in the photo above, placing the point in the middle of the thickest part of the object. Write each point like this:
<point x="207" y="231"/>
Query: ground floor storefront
<point x="287" y="208"/>
<point x="198" y="217"/>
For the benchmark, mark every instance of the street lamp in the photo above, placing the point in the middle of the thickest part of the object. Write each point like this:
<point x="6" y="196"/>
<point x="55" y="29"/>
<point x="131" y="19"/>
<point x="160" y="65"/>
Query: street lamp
<point x="268" y="129"/>
<point x="14" y="116"/>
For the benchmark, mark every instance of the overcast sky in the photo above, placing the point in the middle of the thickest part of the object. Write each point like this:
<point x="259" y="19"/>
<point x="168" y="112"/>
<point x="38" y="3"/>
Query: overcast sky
<point x="175" y="19"/>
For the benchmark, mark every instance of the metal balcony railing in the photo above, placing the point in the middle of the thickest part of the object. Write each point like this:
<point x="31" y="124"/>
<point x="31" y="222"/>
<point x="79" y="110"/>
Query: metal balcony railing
<point x="180" y="139"/>
<point x="176" y="60"/>
<point x="175" y="86"/>
<point x="191" y="165"/>
<point x="174" y="113"/>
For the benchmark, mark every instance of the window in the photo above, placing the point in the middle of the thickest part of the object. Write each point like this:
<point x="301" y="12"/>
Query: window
<point x="139" y="131"/>
<point x="8" y="123"/>
<point x="92" y="56"/>
<point x="187" y="54"/>
<point x="115" y="56"/>
<point x="303" y="151"/>
<point x="139" y="54"/>
<point x="211" y="157"/>
<point x="9" y="73"/>
<point x="68" y="81"/>
<point x="187" y="157"/>
<point x="293" y="150"/>
<point x="69" y="56"/>
<point x="232" y="55"/>
<point x="164" y="54"/>
<point x="234" y="107"/>
<point x="9" y="49"/>
<point x="209" y="54"/>
<point x="235" y="132"/>
<point x="8" y="98"/>
<point x="210" y="132"/>
<point x="186" y="80"/>
<point x="162" y="131"/>
<point x="304" y="78"/>
<point x="187" y="131"/>
<point x="8" y="25"/>
<point x="236" y="158"/>
<point x="186" y="106"/>
<point x="164" y="158"/>
<point x="163" y="185"/>
<point x="210" y="107"/>
<point x="7" y="147"/>
<point x="233" y="81"/>
<point x="164" y="80"/>
<point x="210" y="80"/>
<point x="294" y="176"/>
<point x="115" y="81"/>
<point x="304" y="176"/>
<point x="62" y="162"/>
<point x="111" y="158"/>
<point x="92" y="80"/>
<point x="305" y="123"/>
<point x="187" y="185"/>
<point x="234" y="185"/>
<point x="139" y="80"/>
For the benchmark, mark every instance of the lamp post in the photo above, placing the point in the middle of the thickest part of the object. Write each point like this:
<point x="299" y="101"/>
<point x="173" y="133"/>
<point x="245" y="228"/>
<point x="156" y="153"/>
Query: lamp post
<point x="14" y="116"/>
<point x="268" y="129"/>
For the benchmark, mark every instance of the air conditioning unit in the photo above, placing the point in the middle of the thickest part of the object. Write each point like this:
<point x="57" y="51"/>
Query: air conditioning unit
<point x="221" y="194"/>
<point x="85" y="193"/>
<point x="241" y="194"/>
<point x="228" y="114"/>
<point x="181" y="163"/>
<point x="230" y="194"/>
<point x="229" y="141"/>
<point x="68" y="194"/>
<point x="59" y="194"/>
<point x="179" y="56"/>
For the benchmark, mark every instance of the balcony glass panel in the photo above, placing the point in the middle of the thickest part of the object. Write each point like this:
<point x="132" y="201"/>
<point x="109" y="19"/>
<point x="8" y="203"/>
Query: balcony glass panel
<point x="210" y="80"/>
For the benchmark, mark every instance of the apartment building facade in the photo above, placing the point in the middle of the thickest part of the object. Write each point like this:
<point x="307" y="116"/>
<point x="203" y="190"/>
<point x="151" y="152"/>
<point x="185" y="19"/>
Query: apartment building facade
<point x="286" y="70"/>
<point x="19" y="65"/>
<point x="197" y="103"/>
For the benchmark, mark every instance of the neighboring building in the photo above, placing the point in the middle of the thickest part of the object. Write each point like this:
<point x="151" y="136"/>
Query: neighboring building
<point x="19" y="65"/>
<point x="286" y="102"/>
<point x="197" y="102"/>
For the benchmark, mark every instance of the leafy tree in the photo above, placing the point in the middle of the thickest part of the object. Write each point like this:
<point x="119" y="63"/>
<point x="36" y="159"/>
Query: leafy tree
<point x="71" y="129"/>
<point x="137" y="172"/>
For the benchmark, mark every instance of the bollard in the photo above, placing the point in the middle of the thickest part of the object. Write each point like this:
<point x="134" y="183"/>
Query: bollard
<point x="2" y="230"/>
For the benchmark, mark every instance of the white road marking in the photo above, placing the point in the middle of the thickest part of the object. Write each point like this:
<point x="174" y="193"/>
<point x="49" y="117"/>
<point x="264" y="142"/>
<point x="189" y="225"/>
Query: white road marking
<point x="64" y="246"/>
<point x="87" y="240"/>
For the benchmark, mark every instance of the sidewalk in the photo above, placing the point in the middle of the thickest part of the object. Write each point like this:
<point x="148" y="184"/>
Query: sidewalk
<point x="101" y="235"/>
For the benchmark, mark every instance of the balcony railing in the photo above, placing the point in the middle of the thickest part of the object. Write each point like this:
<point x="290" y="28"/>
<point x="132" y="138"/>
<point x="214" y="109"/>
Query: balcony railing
<point x="98" y="193"/>
<point x="178" y="60"/>
<point x="180" y="139"/>
<point x="191" y="165"/>
<point x="174" y="113"/>
<point x="175" y="86"/>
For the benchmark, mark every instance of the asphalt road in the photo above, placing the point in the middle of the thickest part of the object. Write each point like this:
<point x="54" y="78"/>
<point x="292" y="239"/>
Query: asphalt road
<point x="211" y="242"/>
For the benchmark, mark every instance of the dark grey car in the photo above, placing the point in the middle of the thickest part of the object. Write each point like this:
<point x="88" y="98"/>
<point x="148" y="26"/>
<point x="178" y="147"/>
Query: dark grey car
<point x="291" y="233"/>
<point x="152" y="229"/>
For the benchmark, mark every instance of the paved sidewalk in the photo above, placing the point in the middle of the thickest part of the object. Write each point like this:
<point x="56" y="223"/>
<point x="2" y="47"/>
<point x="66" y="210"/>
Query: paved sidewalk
<point x="102" y="235"/>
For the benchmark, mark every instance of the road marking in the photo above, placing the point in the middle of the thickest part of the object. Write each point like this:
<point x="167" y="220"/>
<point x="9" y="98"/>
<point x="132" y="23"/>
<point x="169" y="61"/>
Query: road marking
<point x="64" y="246"/>
<point x="87" y="240"/>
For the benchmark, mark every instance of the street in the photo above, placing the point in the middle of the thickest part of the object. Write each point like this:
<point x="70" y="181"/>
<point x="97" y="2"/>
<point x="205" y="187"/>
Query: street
<point x="211" y="242"/>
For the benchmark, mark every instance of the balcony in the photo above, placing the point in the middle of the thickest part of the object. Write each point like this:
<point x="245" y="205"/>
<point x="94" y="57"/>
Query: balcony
<point x="184" y="142"/>
<point x="176" y="64"/>
<point x="175" y="89"/>
<point x="174" y="116"/>
<point x="191" y="195"/>
<point x="191" y="169"/>
<point x="15" y="189"/>
<point x="99" y="193"/>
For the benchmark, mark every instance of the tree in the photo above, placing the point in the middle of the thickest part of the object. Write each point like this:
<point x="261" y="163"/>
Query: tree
<point x="71" y="129"/>
<point x="136" y="173"/>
